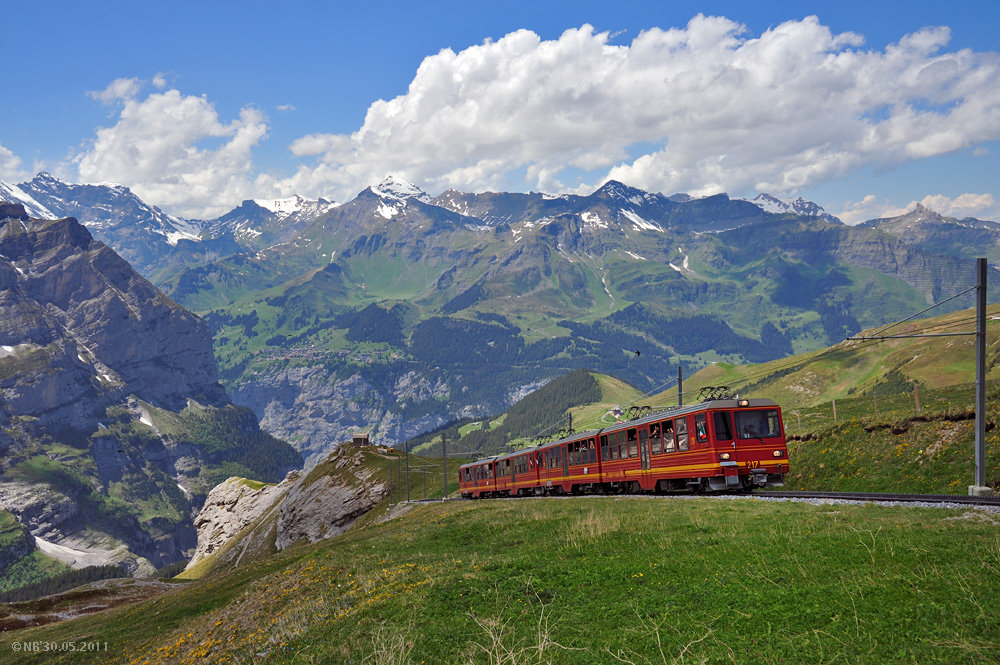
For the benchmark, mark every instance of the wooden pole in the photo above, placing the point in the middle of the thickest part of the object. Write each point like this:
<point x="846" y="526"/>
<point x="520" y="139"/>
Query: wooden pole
<point x="834" y="410"/>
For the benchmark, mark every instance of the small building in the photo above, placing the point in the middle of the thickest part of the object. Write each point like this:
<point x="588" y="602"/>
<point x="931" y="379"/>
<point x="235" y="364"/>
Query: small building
<point x="360" y="439"/>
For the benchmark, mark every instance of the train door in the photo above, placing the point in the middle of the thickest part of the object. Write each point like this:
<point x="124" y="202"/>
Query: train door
<point x="725" y="448"/>
<point x="644" y="462"/>
<point x="563" y="451"/>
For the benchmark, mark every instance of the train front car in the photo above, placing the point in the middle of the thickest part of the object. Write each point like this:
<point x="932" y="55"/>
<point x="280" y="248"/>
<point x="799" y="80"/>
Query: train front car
<point x="749" y="440"/>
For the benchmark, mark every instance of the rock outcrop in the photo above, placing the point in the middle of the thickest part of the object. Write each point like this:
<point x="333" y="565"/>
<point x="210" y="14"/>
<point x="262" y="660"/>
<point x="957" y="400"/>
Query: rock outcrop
<point x="231" y="506"/>
<point x="241" y="517"/>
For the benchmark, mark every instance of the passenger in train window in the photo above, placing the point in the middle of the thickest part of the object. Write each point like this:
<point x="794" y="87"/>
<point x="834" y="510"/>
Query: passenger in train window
<point x="669" y="444"/>
<point x="655" y="439"/>
<point x="681" y="428"/>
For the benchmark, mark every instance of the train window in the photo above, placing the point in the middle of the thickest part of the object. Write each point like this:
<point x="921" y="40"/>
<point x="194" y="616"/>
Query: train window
<point x="723" y="432"/>
<point x="593" y="451"/>
<point x="669" y="445"/>
<point x="655" y="439"/>
<point x="633" y="446"/>
<point x="701" y="427"/>
<point x="622" y="445"/>
<point x="763" y="424"/>
<point x="604" y="448"/>
<point x="644" y="440"/>
<point x="681" y="429"/>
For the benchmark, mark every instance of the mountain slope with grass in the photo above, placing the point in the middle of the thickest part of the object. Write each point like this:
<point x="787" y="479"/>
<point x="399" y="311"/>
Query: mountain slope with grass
<point x="585" y="580"/>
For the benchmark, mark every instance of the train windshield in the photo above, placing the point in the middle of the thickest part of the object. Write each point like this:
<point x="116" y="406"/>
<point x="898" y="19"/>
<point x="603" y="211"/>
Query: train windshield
<point x="762" y="424"/>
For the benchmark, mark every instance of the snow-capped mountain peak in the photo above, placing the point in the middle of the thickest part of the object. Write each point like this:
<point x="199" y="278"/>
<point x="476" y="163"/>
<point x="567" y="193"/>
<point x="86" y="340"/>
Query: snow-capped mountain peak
<point x="397" y="189"/>
<point x="282" y="207"/>
<point x="798" y="206"/>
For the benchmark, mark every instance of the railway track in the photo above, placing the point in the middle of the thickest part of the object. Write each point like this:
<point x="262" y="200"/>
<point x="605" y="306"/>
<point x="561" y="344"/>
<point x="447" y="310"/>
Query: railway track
<point x="896" y="498"/>
<point x="957" y="499"/>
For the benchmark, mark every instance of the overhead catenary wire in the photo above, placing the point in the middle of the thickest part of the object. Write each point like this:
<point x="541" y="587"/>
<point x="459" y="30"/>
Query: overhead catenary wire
<point x="828" y="354"/>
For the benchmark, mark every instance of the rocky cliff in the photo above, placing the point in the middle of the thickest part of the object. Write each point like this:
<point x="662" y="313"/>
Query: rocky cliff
<point x="113" y="425"/>
<point x="242" y="520"/>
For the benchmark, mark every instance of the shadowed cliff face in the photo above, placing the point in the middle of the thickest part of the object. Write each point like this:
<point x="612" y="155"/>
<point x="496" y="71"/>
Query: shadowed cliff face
<point x="84" y="329"/>
<point x="113" y="425"/>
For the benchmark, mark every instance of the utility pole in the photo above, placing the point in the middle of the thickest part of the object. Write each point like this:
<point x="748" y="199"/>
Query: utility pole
<point x="406" y="448"/>
<point x="680" y="386"/>
<point x="444" y="464"/>
<point x="980" y="488"/>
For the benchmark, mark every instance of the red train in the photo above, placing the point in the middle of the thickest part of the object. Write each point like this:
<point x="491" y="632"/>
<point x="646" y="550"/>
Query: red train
<point x="718" y="445"/>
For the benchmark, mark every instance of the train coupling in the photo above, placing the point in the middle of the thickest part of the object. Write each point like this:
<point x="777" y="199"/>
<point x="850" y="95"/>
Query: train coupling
<point x="758" y="477"/>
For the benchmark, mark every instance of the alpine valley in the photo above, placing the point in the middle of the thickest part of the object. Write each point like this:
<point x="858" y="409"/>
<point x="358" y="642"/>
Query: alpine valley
<point x="397" y="313"/>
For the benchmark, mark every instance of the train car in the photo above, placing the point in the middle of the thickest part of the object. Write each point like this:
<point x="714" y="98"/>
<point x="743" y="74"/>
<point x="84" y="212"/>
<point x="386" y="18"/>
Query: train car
<point x="524" y="473"/>
<point x="717" y="445"/>
<point x="477" y="479"/>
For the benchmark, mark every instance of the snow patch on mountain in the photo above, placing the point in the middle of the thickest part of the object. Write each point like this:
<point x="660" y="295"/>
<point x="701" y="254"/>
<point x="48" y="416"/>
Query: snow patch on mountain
<point x="386" y="211"/>
<point x="14" y="194"/>
<point x="592" y="220"/>
<point x="640" y="224"/>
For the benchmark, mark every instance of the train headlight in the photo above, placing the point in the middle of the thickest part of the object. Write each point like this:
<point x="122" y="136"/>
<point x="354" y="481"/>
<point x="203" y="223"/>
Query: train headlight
<point x="743" y="402"/>
<point x="723" y="456"/>
<point x="777" y="453"/>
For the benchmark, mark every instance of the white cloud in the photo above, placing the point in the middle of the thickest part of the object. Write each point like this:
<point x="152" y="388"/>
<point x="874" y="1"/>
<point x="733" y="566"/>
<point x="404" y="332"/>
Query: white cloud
<point x="779" y="112"/>
<point x="160" y="81"/>
<point x="174" y="151"/>
<point x="10" y="167"/>
<point x="980" y="206"/>
<point x="119" y="89"/>
<point x="286" y="107"/>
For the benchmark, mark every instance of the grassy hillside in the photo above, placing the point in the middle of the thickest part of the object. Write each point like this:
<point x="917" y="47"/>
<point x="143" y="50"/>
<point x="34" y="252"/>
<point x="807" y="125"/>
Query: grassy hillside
<point x="586" y="581"/>
<point x="851" y="368"/>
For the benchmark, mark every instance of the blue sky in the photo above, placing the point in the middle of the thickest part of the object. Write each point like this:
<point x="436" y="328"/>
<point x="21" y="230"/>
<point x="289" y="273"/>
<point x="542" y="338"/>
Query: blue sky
<point x="866" y="109"/>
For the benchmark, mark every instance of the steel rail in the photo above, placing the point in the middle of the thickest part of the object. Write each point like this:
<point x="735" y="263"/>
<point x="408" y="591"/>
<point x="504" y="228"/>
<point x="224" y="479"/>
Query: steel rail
<point x="879" y="496"/>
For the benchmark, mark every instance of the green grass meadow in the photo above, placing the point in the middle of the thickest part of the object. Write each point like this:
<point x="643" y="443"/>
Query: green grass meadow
<point x="588" y="580"/>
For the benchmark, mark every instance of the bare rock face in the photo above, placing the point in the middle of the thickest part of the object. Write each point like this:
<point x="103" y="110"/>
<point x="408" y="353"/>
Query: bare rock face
<point x="230" y="507"/>
<point x="328" y="506"/>
<point x="320" y="505"/>
<point x="79" y="328"/>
